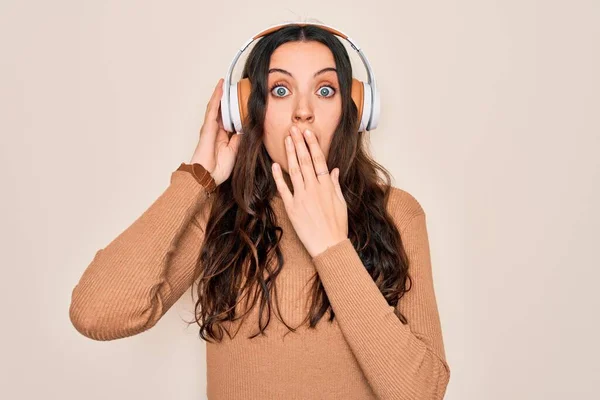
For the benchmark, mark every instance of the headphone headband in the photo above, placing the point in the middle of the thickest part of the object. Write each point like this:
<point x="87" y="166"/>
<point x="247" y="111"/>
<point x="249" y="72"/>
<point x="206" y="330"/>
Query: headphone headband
<point x="279" y="26"/>
<point x="374" y="94"/>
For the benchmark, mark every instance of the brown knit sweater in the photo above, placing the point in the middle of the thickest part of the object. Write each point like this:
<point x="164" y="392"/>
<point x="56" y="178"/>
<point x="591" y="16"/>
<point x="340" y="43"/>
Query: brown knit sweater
<point x="365" y="353"/>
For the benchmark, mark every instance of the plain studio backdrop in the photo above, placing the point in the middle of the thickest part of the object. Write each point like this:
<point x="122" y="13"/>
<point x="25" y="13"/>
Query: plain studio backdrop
<point x="489" y="117"/>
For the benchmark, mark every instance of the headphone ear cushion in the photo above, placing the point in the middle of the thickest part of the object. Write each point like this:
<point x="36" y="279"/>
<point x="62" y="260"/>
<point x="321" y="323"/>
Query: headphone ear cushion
<point x="358" y="96"/>
<point x="243" y="92"/>
<point x="244" y="88"/>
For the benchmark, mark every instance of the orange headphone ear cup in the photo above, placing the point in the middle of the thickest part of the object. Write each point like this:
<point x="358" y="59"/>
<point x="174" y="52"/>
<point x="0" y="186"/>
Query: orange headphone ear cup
<point x="243" y="93"/>
<point x="358" y="96"/>
<point x="244" y="87"/>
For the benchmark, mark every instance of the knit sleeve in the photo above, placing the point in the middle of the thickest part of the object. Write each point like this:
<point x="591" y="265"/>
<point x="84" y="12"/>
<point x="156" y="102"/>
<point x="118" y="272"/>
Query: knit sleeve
<point x="133" y="281"/>
<point x="399" y="361"/>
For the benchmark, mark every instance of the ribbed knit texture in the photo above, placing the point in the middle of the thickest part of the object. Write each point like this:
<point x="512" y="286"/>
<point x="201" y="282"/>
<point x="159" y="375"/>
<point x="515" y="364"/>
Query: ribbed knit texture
<point x="366" y="353"/>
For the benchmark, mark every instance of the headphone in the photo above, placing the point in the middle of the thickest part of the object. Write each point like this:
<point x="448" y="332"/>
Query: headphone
<point x="234" y="102"/>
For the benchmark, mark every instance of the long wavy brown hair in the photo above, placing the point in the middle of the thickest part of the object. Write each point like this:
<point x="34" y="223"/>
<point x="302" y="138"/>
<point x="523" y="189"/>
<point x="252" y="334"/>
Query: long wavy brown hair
<point x="241" y="256"/>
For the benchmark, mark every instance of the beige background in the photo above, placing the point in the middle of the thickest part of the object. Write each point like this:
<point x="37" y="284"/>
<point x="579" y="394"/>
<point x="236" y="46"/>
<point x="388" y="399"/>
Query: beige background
<point x="490" y="118"/>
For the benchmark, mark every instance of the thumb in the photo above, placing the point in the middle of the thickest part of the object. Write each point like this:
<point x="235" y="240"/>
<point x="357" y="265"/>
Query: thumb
<point x="234" y="142"/>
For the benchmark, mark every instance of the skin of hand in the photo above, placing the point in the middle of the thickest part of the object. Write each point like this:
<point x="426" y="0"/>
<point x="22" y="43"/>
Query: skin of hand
<point x="316" y="209"/>
<point x="216" y="149"/>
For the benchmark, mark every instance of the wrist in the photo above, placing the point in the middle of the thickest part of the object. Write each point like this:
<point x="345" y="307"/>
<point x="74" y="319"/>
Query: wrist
<point x="201" y="174"/>
<point x="196" y="159"/>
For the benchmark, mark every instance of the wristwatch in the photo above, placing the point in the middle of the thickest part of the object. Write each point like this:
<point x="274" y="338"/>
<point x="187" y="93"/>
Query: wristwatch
<point x="200" y="174"/>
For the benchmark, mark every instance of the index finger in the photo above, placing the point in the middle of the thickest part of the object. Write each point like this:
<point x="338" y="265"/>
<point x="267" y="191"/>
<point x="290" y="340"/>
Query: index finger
<point x="212" y="107"/>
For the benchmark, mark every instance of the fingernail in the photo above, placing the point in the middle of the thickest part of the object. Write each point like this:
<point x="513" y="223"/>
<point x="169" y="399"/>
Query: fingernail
<point x="307" y="132"/>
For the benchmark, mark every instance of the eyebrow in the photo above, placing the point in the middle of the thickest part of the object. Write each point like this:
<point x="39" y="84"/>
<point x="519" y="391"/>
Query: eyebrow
<point x="283" y="71"/>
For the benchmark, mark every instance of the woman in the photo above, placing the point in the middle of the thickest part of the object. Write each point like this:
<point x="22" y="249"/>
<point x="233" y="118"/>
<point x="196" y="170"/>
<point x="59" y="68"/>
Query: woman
<point x="302" y="238"/>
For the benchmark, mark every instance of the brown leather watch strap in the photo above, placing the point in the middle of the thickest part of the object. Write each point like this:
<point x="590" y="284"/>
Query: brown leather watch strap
<point x="200" y="174"/>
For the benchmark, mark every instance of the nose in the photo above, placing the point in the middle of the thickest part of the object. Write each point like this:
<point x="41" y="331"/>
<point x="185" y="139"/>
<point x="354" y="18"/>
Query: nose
<point x="303" y="112"/>
<point x="303" y="116"/>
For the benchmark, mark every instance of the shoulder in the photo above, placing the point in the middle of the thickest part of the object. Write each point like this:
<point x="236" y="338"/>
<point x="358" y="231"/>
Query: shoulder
<point x="403" y="206"/>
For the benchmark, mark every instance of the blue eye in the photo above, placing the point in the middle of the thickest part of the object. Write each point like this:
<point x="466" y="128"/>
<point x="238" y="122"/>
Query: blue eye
<point x="323" y="91"/>
<point x="280" y="90"/>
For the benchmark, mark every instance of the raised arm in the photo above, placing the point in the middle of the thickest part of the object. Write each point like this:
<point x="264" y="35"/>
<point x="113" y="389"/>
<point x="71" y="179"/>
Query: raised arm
<point x="133" y="281"/>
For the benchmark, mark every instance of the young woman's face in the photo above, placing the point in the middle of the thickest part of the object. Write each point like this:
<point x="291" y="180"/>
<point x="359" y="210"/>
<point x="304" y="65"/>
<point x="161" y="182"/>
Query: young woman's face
<point x="305" y="93"/>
